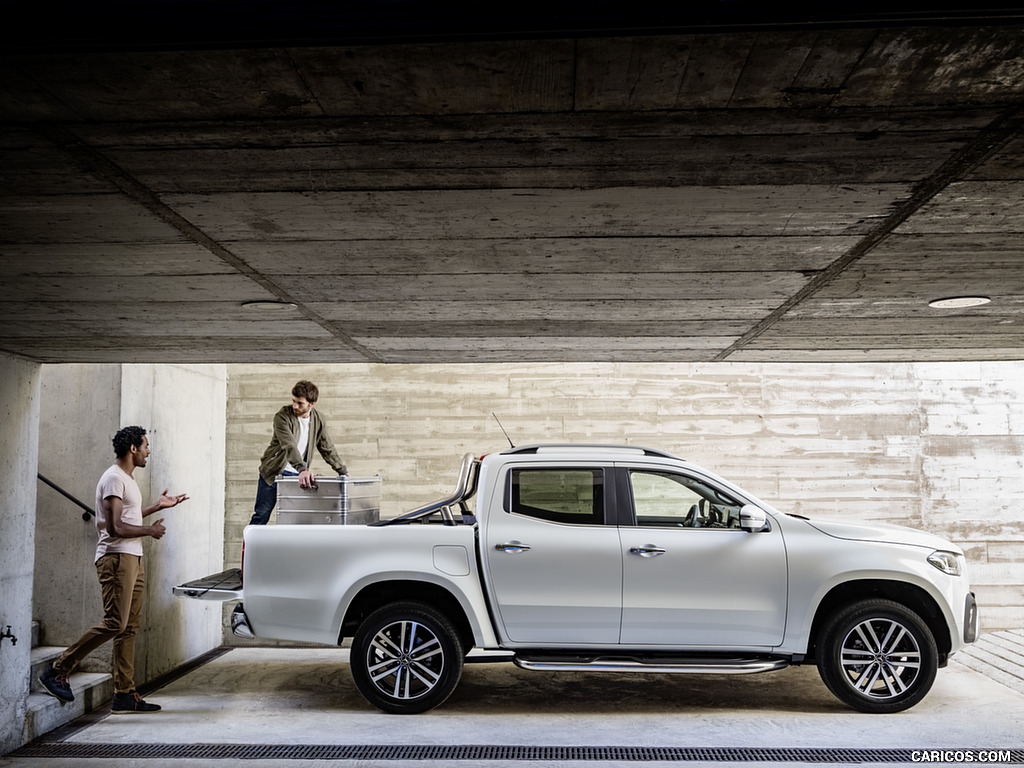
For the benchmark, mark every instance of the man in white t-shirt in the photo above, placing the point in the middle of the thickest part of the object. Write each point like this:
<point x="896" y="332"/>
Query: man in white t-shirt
<point x="119" y="523"/>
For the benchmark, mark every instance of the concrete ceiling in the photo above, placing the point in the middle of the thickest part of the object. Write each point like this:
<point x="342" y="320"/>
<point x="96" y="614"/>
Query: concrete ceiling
<point x="592" y="188"/>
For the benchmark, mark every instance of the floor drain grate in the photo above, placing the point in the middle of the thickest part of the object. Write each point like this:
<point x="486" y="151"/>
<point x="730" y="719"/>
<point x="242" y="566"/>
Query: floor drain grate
<point x="490" y="753"/>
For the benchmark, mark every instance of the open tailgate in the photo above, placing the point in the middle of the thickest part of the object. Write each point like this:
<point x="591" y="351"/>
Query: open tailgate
<point x="223" y="586"/>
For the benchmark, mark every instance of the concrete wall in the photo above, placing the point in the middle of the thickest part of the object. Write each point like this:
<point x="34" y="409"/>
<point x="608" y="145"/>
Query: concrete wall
<point x="80" y="411"/>
<point x="19" y="436"/>
<point x="932" y="446"/>
<point x="182" y="409"/>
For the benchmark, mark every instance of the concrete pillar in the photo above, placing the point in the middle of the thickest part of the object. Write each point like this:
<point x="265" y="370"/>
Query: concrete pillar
<point x="183" y="407"/>
<point x="79" y="413"/>
<point x="19" y="438"/>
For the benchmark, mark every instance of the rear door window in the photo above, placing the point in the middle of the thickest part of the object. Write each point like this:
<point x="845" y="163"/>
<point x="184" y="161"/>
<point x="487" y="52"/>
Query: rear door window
<point x="571" y="495"/>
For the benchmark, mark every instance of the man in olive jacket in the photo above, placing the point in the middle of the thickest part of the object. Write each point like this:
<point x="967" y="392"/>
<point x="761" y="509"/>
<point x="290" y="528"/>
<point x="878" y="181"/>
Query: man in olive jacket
<point x="297" y="428"/>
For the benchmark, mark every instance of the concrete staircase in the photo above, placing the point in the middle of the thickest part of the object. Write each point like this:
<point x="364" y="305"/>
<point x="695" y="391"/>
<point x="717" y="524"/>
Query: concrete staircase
<point x="998" y="655"/>
<point x="45" y="712"/>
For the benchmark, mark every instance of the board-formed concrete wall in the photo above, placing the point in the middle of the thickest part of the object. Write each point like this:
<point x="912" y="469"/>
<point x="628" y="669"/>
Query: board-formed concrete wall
<point x="933" y="446"/>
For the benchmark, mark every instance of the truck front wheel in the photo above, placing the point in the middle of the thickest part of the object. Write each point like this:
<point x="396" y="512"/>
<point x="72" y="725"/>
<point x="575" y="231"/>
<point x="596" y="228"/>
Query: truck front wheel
<point x="406" y="658"/>
<point x="877" y="656"/>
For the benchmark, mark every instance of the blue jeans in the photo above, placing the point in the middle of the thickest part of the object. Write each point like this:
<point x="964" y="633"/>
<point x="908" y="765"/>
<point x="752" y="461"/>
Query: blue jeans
<point x="266" y="498"/>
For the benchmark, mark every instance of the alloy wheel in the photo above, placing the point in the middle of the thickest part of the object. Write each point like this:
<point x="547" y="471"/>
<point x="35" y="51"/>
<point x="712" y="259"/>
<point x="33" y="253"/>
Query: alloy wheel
<point x="405" y="660"/>
<point x="880" y="658"/>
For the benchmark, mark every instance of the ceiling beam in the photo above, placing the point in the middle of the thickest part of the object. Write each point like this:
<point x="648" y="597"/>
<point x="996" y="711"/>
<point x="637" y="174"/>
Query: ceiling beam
<point x="1006" y="127"/>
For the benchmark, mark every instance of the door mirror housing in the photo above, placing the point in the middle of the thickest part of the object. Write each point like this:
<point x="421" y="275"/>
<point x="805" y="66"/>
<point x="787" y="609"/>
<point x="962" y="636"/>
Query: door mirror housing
<point x="753" y="519"/>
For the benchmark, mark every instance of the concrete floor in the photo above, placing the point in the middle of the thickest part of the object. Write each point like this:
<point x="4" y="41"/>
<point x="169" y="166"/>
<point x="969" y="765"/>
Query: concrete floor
<point x="306" y="696"/>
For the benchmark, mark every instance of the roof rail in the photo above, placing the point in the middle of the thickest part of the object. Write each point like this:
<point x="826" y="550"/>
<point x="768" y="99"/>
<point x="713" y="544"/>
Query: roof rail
<point x="590" y="447"/>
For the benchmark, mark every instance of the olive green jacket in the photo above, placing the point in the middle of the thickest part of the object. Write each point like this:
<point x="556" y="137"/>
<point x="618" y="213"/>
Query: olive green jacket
<point x="283" y="449"/>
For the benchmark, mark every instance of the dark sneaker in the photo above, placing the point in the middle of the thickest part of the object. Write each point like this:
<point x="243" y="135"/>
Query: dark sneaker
<point x="56" y="684"/>
<point x="130" y="703"/>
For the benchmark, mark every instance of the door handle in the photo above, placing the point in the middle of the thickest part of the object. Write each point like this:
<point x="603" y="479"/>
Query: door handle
<point x="648" y="550"/>
<point x="512" y="546"/>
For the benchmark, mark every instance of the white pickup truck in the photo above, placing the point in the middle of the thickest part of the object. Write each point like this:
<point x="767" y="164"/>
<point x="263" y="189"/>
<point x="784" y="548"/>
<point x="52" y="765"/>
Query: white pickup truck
<point x="612" y="559"/>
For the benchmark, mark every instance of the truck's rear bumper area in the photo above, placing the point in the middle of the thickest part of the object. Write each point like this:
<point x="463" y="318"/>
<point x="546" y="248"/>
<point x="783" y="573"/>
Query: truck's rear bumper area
<point x="240" y="623"/>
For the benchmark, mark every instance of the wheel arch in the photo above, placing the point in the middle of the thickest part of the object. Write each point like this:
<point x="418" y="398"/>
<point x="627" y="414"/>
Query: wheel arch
<point x="373" y="596"/>
<point x="909" y="595"/>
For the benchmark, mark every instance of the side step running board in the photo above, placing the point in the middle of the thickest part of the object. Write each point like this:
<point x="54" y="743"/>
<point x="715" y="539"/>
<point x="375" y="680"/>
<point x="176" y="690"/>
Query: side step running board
<point x="692" y="666"/>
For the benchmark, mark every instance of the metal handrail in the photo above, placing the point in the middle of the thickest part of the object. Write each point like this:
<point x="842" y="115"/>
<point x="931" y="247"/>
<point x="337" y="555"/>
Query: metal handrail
<point x="465" y="486"/>
<point x="89" y="511"/>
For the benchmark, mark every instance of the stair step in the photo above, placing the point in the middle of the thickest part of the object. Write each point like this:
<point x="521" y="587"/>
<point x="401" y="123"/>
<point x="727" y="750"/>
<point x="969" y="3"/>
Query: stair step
<point x="1011" y="642"/>
<point x="45" y="712"/>
<point x="42" y="655"/>
<point x="992" y="672"/>
<point x="45" y="654"/>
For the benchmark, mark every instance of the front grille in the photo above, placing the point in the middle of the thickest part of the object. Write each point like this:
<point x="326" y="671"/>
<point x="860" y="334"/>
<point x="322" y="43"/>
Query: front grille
<point x="476" y="753"/>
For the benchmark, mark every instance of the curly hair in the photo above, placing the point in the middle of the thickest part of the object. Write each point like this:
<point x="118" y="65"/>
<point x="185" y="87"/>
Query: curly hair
<point x="127" y="437"/>
<point x="306" y="389"/>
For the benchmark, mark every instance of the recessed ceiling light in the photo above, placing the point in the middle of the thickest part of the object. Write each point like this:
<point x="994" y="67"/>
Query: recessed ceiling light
<point x="268" y="306"/>
<point x="959" y="302"/>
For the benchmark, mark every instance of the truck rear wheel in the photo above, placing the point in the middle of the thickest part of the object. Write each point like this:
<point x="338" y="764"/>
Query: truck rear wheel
<point x="877" y="656"/>
<point x="406" y="658"/>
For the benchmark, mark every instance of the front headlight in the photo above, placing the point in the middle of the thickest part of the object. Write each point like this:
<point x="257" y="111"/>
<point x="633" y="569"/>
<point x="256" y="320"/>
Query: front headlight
<point x="947" y="562"/>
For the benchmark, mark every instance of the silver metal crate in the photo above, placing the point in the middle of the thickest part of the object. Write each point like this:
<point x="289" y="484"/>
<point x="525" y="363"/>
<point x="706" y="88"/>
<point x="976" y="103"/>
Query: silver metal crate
<point x="334" y="501"/>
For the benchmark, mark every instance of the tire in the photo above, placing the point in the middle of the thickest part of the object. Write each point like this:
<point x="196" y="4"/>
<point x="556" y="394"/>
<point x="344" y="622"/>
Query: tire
<point x="877" y="656"/>
<point x="406" y="658"/>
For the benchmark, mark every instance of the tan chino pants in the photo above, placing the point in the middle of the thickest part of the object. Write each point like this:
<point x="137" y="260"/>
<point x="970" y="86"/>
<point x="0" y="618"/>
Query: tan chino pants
<point x="122" y="581"/>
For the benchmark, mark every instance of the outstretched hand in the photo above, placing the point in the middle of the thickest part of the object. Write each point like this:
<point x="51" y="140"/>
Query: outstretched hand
<point x="166" y="501"/>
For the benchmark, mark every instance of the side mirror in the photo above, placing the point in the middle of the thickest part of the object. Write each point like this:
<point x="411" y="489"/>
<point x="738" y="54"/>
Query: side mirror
<point x="753" y="519"/>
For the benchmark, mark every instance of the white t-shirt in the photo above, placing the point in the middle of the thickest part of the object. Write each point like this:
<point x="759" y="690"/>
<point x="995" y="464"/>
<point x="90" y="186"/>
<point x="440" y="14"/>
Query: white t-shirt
<point x="302" y="442"/>
<point x="116" y="482"/>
